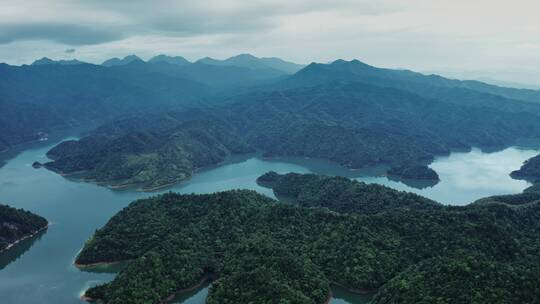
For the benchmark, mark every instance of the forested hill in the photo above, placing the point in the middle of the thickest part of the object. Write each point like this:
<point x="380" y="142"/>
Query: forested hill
<point x="529" y="171"/>
<point x="16" y="224"/>
<point x="150" y="158"/>
<point x="41" y="98"/>
<point x="260" y="250"/>
<point x="50" y="95"/>
<point x="354" y="124"/>
<point x="434" y="86"/>
<point x="342" y="194"/>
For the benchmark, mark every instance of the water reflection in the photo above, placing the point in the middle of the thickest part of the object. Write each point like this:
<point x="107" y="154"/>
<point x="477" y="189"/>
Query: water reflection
<point x="343" y="296"/>
<point x="19" y="249"/>
<point x="195" y="296"/>
<point x="105" y="268"/>
<point x="339" y="296"/>
<point x="464" y="176"/>
<point x="414" y="183"/>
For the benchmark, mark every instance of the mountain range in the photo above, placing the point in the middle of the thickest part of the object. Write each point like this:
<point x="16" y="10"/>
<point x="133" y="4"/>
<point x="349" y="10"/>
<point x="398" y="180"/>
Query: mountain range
<point x="242" y="60"/>
<point x="396" y="118"/>
<point x="50" y="95"/>
<point x="345" y="111"/>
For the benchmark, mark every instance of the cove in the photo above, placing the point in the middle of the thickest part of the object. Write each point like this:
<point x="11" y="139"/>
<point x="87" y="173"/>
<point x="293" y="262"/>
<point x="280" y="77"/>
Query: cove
<point x="41" y="269"/>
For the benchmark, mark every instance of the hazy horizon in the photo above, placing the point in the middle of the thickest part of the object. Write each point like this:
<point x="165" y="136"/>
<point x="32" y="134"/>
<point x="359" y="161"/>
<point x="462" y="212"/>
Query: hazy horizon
<point x="486" y="39"/>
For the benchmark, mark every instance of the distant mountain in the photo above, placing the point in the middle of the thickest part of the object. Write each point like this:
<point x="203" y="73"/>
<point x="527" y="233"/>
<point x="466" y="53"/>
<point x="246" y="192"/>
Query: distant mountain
<point x="49" y="95"/>
<point x="346" y="111"/>
<point x="507" y="84"/>
<point x="46" y="60"/>
<point x="126" y="60"/>
<point x="509" y="79"/>
<point x="38" y="99"/>
<point x="252" y="62"/>
<point x="223" y="77"/>
<point x="432" y="86"/>
<point x="177" y="60"/>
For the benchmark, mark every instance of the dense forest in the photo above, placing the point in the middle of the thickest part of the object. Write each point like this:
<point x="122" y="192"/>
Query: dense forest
<point x="16" y="224"/>
<point x="354" y="124"/>
<point x="529" y="171"/>
<point x="533" y="188"/>
<point x="341" y="194"/>
<point x="148" y="158"/>
<point x="49" y="95"/>
<point x="260" y="250"/>
<point x="414" y="171"/>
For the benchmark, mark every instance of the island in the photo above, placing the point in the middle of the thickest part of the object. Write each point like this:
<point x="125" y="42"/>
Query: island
<point x="400" y="247"/>
<point x="341" y="194"/>
<point x="17" y="225"/>
<point x="414" y="171"/>
<point x="529" y="171"/>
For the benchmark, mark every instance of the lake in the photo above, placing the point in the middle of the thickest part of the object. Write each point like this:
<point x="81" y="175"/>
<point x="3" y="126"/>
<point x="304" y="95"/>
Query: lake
<point x="41" y="269"/>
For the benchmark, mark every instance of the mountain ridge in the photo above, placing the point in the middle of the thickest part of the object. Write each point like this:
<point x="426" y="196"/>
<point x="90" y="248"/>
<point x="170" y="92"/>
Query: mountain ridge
<point x="45" y="60"/>
<point x="118" y="62"/>
<point x="177" y="60"/>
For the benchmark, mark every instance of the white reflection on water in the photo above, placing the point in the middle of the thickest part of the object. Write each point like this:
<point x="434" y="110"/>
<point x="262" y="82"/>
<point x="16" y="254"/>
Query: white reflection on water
<point x="468" y="176"/>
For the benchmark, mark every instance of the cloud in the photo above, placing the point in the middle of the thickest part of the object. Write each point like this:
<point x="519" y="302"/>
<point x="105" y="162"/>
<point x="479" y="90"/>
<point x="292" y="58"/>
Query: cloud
<point x="69" y="34"/>
<point x="415" y="34"/>
<point x="99" y="21"/>
<point x="70" y="51"/>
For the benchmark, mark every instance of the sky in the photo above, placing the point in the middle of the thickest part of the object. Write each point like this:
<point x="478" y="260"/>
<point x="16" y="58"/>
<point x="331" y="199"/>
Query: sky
<point x="485" y="38"/>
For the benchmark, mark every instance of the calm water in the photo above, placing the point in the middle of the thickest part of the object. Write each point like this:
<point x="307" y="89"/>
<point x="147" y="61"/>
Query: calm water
<point x="40" y="270"/>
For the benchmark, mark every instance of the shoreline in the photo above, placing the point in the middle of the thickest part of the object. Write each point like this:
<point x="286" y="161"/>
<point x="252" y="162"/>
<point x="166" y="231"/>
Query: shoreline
<point x="83" y="296"/>
<point x="97" y="264"/>
<point x="329" y="298"/>
<point x="155" y="188"/>
<point x="354" y="290"/>
<point x="171" y="297"/>
<point x="60" y="172"/>
<point x="203" y="280"/>
<point x="69" y="174"/>
<point x="11" y="245"/>
<point x="87" y="299"/>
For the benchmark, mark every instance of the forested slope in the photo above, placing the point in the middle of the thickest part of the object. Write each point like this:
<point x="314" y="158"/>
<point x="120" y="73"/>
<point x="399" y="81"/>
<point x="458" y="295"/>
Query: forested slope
<point x="530" y="170"/>
<point x="47" y="97"/>
<point x="149" y="158"/>
<point x="479" y="253"/>
<point x="354" y="124"/>
<point x="341" y="194"/>
<point x="16" y="224"/>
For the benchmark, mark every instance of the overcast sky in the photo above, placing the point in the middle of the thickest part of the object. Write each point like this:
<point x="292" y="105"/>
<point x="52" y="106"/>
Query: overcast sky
<point x="492" y="38"/>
